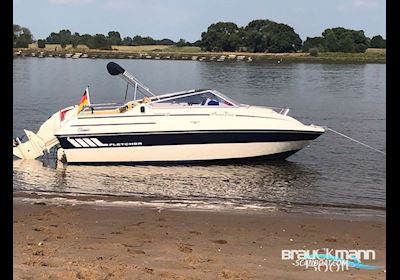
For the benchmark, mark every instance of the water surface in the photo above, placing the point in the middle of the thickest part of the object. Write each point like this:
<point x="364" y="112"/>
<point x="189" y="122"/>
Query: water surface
<point x="332" y="175"/>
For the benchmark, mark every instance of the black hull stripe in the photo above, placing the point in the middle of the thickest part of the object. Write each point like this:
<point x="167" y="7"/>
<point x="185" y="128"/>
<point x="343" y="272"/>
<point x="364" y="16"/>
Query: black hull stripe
<point x="277" y="156"/>
<point x="110" y="141"/>
<point x="186" y="132"/>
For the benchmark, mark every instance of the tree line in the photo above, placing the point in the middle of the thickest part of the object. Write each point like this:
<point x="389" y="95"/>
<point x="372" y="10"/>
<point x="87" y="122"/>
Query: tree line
<point x="260" y="35"/>
<point x="269" y="36"/>
<point x="100" y="41"/>
<point x="22" y="36"/>
<point x="340" y="39"/>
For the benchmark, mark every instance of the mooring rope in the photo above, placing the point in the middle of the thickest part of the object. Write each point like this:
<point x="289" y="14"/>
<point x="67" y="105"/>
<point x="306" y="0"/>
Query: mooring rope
<point x="352" y="139"/>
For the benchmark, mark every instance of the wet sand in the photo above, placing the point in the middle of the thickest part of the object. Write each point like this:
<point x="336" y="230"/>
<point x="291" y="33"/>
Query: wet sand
<point x="90" y="242"/>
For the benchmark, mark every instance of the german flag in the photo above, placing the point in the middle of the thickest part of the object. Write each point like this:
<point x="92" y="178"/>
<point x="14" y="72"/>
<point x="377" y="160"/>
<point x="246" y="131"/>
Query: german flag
<point x="85" y="100"/>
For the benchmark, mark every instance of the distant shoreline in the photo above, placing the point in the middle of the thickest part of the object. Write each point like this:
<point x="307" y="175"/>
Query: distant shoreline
<point x="370" y="56"/>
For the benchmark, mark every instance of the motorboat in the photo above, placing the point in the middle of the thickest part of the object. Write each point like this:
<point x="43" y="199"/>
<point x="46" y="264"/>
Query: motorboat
<point x="188" y="126"/>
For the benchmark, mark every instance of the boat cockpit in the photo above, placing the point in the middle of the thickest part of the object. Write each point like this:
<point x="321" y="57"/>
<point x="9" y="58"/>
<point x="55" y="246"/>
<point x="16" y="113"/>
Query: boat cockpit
<point x="195" y="98"/>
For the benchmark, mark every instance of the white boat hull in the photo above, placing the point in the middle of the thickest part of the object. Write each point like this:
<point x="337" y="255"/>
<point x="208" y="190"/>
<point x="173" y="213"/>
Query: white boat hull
<point x="184" y="153"/>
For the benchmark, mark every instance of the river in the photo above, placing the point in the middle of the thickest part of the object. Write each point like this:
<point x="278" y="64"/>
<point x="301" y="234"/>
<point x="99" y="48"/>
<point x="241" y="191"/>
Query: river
<point x="331" y="176"/>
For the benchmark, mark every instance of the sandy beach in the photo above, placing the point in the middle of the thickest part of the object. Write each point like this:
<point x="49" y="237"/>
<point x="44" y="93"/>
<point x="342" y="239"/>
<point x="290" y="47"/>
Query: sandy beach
<point x="91" y="242"/>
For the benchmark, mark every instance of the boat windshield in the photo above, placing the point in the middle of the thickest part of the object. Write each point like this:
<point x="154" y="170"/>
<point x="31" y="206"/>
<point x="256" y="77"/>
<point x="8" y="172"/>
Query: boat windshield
<point x="199" y="98"/>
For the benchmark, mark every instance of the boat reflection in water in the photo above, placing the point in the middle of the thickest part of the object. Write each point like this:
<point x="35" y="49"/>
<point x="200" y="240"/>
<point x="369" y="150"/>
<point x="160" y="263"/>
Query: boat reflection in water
<point x="250" y="184"/>
<point x="282" y="186"/>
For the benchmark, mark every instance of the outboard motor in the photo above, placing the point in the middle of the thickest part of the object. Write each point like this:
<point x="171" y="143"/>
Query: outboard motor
<point x="44" y="139"/>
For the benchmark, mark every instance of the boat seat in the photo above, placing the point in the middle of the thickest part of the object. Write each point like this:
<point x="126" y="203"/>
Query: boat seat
<point x="119" y="110"/>
<point x="100" y="112"/>
<point x="127" y="106"/>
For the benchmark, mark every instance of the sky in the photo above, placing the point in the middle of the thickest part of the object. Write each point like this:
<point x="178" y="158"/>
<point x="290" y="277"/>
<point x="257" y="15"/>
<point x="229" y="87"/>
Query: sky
<point x="187" y="19"/>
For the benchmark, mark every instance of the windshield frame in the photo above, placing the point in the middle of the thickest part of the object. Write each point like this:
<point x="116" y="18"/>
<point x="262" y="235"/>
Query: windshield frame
<point x="182" y="94"/>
